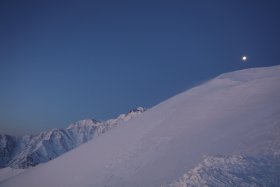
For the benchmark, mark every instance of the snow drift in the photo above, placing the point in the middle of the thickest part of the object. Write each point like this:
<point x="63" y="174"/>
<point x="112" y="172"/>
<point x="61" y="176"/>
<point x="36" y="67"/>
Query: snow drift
<point x="218" y="126"/>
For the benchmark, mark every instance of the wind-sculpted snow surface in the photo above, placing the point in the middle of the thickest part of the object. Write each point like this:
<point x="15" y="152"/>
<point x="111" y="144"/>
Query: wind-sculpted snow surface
<point x="236" y="115"/>
<point x="236" y="170"/>
<point x="30" y="150"/>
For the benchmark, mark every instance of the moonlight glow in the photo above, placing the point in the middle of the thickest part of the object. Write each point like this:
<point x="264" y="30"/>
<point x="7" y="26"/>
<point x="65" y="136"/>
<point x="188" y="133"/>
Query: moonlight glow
<point x="244" y="58"/>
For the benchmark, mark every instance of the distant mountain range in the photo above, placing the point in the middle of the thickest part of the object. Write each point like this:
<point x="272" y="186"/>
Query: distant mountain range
<point x="30" y="150"/>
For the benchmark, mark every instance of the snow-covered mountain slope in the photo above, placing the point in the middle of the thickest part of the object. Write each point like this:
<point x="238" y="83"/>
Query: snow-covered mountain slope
<point x="222" y="123"/>
<point x="234" y="170"/>
<point x="30" y="150"/>
<point x="6" y="173"/>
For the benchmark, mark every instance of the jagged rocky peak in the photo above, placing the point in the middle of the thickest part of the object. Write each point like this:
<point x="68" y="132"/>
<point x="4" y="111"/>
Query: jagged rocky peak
<point x="84" y="122"/>
<point x="138" y="109"/>
<point x="7" y="141"/>
<point x="132" y="113"/>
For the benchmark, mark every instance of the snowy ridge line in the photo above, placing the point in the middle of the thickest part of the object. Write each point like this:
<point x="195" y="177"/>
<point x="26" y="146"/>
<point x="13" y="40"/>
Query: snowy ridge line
<point x="30" y="150"/>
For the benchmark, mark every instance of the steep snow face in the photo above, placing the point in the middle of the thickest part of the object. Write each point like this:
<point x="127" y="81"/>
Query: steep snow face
<point x="237" y="113"/>
<point x="26" y="151"/>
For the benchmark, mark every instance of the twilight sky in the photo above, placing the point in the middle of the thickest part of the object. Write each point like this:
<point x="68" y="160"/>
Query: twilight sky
<point x="62" y="61"/>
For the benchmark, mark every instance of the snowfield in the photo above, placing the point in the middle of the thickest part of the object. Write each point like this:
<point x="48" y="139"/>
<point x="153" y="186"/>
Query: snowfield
<point x="6" y="173"/>
<point x="225" y="132"/>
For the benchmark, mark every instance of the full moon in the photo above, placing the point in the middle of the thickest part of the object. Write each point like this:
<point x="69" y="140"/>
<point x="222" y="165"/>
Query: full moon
<point x="244" y="58"/>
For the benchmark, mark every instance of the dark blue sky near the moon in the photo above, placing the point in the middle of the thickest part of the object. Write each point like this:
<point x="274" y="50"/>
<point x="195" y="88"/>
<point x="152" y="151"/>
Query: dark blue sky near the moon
<point x="62" y="61"/>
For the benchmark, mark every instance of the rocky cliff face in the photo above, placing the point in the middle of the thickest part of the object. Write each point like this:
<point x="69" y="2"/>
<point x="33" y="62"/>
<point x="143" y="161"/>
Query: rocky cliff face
<point x="7" y="147"/>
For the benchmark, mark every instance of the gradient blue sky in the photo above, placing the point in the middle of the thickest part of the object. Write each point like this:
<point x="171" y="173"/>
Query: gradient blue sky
<point x="61" y="61"/>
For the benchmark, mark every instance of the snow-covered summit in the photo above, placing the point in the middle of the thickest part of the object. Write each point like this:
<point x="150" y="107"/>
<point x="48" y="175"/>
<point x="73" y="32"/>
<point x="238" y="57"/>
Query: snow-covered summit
<point x="84" y="123"/>
<point x="139" y="109"/>
<point x="251" y="74"/>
